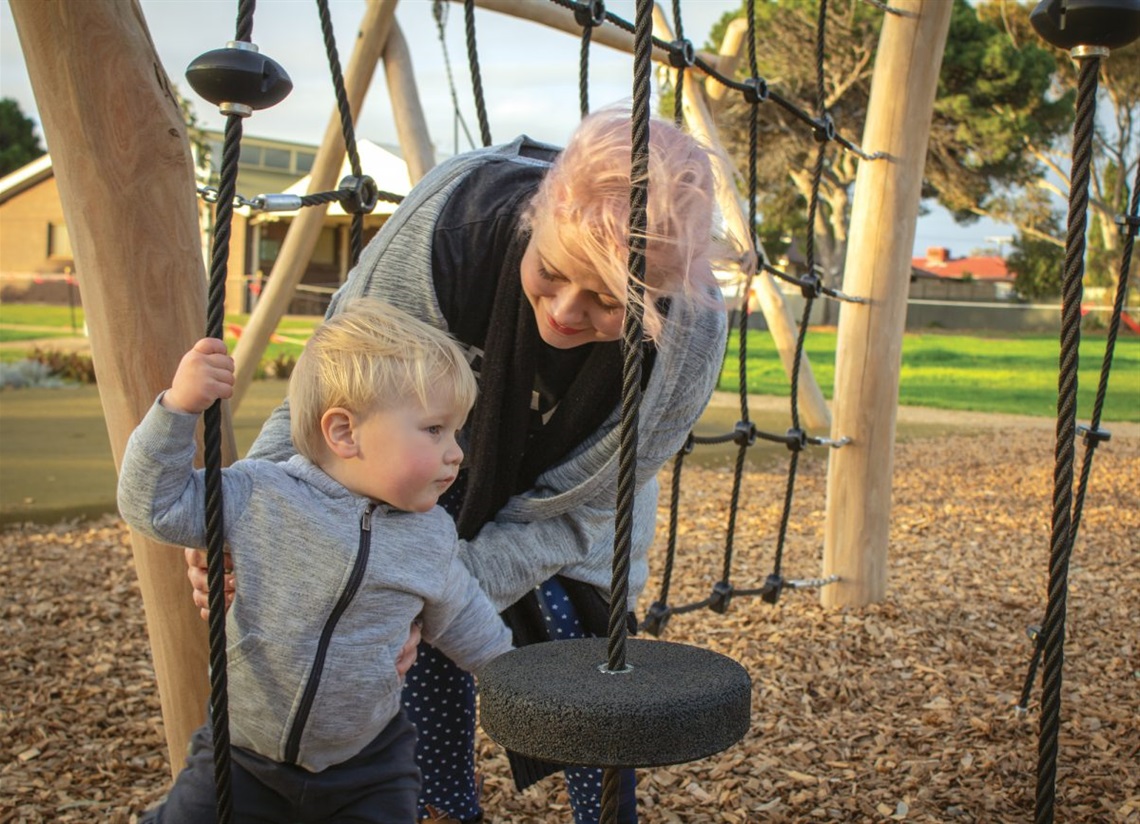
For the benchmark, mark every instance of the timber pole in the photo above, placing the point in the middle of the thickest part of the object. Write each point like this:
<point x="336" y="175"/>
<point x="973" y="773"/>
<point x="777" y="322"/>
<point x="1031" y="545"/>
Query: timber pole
<point x="305" y="230"/>
<point x="122" y="162"/>
<point x="869" y="345"/>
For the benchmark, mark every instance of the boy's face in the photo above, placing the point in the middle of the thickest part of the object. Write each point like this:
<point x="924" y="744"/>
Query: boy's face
<point x="408" y="454"/>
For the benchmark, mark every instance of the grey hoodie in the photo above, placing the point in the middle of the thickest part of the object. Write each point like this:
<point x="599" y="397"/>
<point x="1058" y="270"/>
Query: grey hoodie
<point x="311" y="684"/>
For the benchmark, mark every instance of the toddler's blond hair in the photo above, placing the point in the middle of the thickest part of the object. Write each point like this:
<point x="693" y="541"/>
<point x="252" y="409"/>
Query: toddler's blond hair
<point x="368" y="357"/>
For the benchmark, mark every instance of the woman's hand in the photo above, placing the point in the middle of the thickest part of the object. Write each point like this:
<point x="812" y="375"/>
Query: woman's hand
<point x="196" y="572"/>
<point x="408" y="653"/>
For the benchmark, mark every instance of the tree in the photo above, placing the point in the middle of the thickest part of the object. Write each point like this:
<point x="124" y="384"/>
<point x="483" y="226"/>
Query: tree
<point x="992" y="93"/>
<point x="19" y="144"/>
<point x="1038" y="209"/>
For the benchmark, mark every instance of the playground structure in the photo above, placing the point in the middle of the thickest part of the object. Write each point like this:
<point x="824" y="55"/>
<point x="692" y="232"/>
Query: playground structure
<point x="870" y="338"/>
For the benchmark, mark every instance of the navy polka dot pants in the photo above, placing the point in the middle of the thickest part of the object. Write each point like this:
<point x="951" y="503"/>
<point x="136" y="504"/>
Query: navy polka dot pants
<point x="440" y="700"/>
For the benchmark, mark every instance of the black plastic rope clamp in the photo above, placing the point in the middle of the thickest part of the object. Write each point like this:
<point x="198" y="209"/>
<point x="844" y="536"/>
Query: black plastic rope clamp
<point x="656" y="617"/>
<point x="238" y="79"/>
<point x="795" y="439"/>
<point x="1094" y="437"/>
<point x="773" y="585"/>
<point x="721" y="597"/>
<point x="824" y="129"/>
<point x="590" y="14"/>
<point x="687" y="446"/>
<point x="811" y="285"/>
<point x="1129" y="225"/>
<point x="682" y="55"/>
<point x="744" y="433"/>
<point x="362" y="194"/>
<point x="755" y="90"/>
<point x="1067" y="24"/>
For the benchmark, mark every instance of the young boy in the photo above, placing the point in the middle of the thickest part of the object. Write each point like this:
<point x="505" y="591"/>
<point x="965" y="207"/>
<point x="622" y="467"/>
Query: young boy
<point x="340" y="549"/>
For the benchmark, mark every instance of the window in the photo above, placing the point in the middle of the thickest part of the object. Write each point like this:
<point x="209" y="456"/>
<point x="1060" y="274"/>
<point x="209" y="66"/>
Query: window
<point x="58" y="241"/>
<point x="305" y="162"/>
<point x="250" y="154"/>
<point x="275" y="158"/>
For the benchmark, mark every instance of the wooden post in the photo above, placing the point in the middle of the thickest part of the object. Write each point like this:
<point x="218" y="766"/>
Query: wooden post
<point x="781" y="324"/>
<point x="869" y="346"/>
<point x="407" y="110"/>
<point x="305" y="229"/>
<point x="122" y="161"/>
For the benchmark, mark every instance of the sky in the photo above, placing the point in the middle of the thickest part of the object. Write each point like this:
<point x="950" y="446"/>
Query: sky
<point x="529" y="74"/>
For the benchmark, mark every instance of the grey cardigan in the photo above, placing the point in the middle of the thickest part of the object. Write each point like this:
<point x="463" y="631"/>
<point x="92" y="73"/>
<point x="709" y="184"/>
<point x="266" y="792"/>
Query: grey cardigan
<point x="565" y="524"/>
<point x="307" y="688"/>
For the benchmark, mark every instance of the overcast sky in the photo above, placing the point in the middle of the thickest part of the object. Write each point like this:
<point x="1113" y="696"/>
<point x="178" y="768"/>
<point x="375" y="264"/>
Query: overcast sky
<point x="529" y="73"/>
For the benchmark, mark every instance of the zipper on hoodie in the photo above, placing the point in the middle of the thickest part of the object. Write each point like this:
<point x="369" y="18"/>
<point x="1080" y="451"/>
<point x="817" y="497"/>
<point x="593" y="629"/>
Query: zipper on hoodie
<point x="293" y="743"/>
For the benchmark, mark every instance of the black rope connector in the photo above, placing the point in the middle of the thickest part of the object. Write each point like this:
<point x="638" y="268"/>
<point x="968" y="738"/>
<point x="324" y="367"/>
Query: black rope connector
<point x="687" y="446"/>
<point x="773" y="585"/>
<point x="238" y="78"/>
<point x="756" y="90"/>
<point x="656" y="618"/>
<point x="360" y="194"/>
<point x="590" y="14"/>
<point x="682" y="55"/>
<point x="1066" y="24"/>
<point x="1129" y="225"/>
<point x="824" y="129"/>
<point x="811" y="285"/>
<point x="744" y="433"/>
<point x="795" y="439"/>
<point x="1094" y="437"/>
<point x="721" y="597"/>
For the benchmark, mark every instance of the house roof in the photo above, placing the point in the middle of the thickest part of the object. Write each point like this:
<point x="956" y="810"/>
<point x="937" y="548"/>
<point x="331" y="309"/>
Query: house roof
<point x="939" y="264"/>
<point x="25" y="177"/>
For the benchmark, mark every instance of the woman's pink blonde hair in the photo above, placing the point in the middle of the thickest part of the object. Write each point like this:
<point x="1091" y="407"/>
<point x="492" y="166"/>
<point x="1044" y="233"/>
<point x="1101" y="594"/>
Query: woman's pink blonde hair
<point x="579" y="218"/>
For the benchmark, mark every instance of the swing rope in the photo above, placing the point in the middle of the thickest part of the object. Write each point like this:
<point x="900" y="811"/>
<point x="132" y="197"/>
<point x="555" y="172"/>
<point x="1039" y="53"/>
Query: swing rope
<point x="632" y="337"/>
<point x="1062" y="533"/>
<point x="217" y="80"/>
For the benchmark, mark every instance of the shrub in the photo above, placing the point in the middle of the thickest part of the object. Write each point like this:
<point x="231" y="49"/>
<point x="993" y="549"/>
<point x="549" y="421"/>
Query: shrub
<point x="27" y="373"/>
<point x="70" y="366"/>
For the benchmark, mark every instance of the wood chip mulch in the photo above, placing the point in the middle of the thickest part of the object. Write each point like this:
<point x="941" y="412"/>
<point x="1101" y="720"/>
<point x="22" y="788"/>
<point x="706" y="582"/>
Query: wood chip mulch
<point x="901" y="711"/>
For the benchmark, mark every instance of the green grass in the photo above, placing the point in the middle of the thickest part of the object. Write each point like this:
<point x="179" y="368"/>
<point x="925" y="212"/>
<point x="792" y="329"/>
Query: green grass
<point x="1014" y="374"/>
<point x="1005" y="374"/>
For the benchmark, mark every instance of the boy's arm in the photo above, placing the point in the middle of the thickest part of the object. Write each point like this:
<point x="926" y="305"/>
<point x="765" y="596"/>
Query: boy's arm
<point x="463" y="624"/>
<point x="159" y="492"/>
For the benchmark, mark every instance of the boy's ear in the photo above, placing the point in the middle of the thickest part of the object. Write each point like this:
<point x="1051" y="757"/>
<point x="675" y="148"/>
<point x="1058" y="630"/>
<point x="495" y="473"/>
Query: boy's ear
<point x="338" y="428"/>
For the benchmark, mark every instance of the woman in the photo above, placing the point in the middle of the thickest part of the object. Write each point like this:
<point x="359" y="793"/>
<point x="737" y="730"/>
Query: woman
<point x="521" y="252"/>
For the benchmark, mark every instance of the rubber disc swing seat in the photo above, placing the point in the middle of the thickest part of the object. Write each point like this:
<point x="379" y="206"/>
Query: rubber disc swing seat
<point x="559" y="702"/>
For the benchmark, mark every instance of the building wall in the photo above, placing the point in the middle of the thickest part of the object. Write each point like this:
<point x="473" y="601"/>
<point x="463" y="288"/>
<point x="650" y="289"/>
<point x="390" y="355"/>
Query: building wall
<point x="25" y="222"/>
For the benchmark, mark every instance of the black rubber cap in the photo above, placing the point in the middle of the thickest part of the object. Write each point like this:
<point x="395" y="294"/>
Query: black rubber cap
<point x="557" y="701"/>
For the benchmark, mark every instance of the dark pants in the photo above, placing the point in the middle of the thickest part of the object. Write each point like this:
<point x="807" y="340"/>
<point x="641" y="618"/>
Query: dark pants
<point x="377" y="786"/>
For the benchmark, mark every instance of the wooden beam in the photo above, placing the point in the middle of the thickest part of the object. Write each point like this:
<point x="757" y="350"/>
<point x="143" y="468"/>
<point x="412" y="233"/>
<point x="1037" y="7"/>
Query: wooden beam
<point x="407" y="110"/>
<point x="122" y="161"/>
<point x="869" y="345"/>
<point x="559" y="17"/>
<point x="305" y="230"/>
<point x="781" y="323"/>
<point x="726" y="63"/>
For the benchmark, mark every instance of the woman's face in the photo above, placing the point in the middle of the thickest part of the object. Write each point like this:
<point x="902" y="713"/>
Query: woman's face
<point x="570" y="307"/>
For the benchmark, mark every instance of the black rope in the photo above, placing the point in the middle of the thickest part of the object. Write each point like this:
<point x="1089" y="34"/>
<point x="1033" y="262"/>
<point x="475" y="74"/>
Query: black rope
<point x="632" y="337"/>
<point x="439" y="13"/>
<point x="476" y="75"/>
<point x="1061" y="538"/>
<point x="212" y="450"/>
<point x="356" y="231"/>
